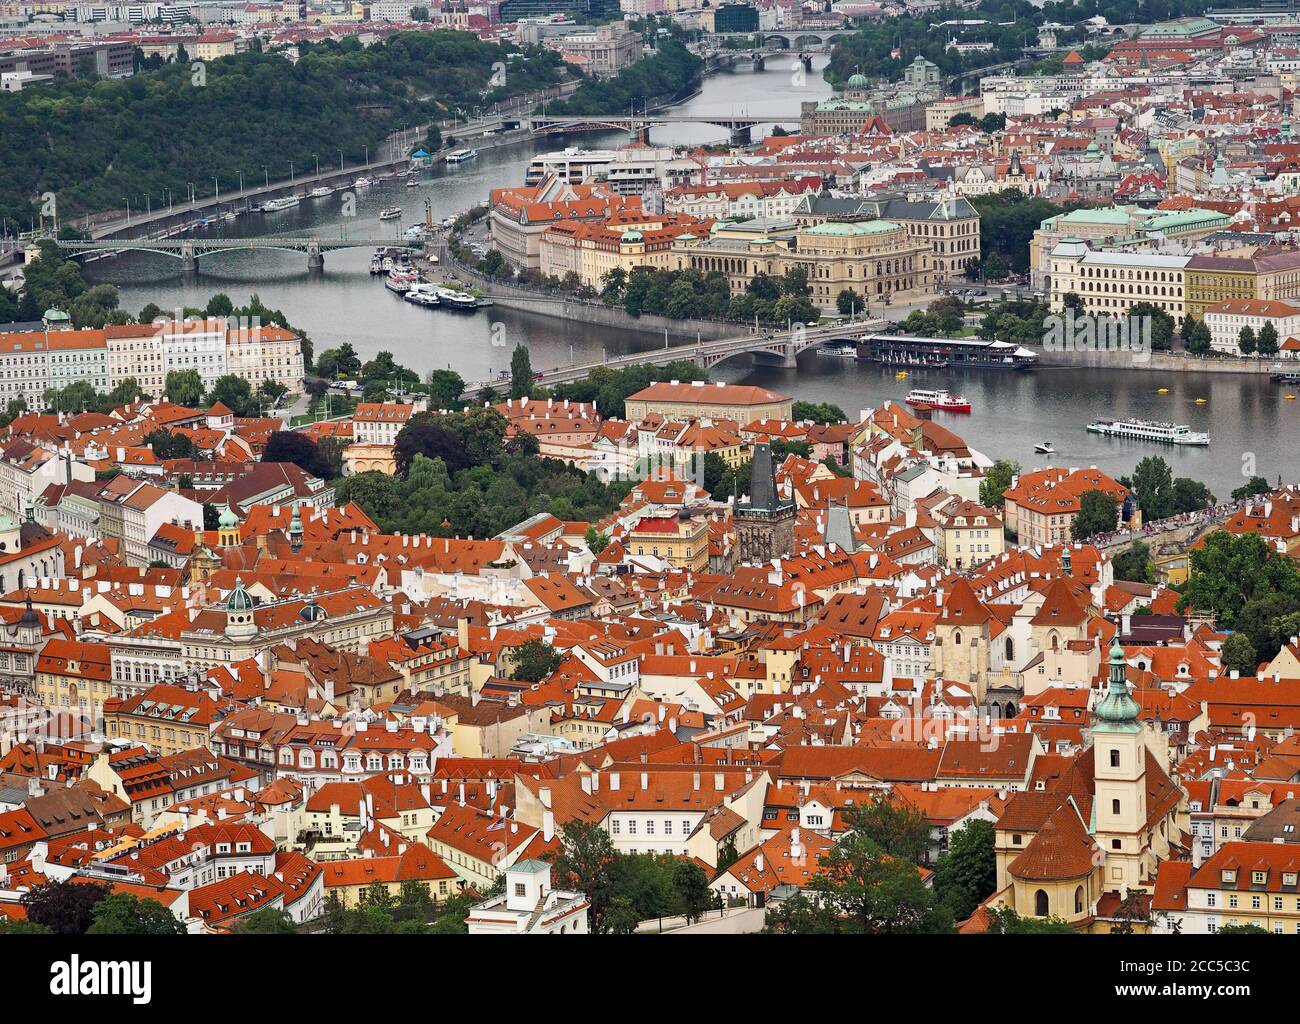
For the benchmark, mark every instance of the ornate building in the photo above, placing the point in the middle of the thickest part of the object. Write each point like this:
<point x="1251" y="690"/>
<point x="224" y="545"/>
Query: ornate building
<point x="765" y="522"/>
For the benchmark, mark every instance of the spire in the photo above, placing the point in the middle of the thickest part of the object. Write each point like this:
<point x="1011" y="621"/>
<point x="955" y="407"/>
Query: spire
<point x="1117" y="710"/>
<point x="1066" y="565"/>
<point x="295" y="528"/>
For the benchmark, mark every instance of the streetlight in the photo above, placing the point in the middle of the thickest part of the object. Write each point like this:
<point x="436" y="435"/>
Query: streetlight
<point x="191" y="185"/>
<point x="266" y="177"/>
<point x="290" y="172"/>
<point x="128" y="208"/>
<point x="318" y="165"/>
<point x="216" y="185"/>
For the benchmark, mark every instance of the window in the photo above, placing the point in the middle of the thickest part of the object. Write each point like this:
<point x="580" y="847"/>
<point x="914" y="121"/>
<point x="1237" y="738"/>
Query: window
<point x="520" y="889"/>
<point x="1040" y="903"/>
<point x="1114" y="758"/>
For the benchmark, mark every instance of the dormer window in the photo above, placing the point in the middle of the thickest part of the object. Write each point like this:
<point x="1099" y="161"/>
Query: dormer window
<point x="1229" y="876"/>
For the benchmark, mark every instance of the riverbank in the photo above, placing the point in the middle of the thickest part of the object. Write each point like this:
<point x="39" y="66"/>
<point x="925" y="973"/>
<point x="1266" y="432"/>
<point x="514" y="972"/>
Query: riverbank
<point x="1168" y="362"/>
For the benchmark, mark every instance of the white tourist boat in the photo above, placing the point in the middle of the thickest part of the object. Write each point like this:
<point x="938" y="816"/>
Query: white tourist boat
<point x="1150" y="430"/>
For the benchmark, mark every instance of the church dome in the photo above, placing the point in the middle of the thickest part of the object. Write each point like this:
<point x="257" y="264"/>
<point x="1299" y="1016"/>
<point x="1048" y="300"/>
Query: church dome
<point x="239" y="600"/>
<point x="228" y="520"/>
<point x="857" y="81"/>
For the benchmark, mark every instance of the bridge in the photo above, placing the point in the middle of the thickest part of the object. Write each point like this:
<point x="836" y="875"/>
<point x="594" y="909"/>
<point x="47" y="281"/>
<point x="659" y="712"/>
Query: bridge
<point x="639" y="125"/>
<point x="188" y="250"/>
<point x="784" y="40"/>
<point x="780" y="347"/>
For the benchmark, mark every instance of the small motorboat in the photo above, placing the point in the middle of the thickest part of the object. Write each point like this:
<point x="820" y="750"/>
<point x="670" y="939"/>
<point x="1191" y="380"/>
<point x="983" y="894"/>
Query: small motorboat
<point x="1045" y="448"/>
<point x="390" y="213"/>
<point x="1201" y="401"/>
<point x="362" y="182"/>
<point x="1162" y="391"/>
<point x="412" y="183"/>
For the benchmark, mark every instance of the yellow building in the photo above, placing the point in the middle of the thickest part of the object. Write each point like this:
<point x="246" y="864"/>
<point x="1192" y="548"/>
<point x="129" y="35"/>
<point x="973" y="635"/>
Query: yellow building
<point x="165" y="718"/>
<point x="683" y="543"/>
<point x="697" y="399"/>
<point x="1209" y="280"/>
<point x="591" y="251"/>
<point x="969" y="534"/>
<point x="877" y="259"/>
<point x="74" y="676"/>
<point x="1109" y="283"/>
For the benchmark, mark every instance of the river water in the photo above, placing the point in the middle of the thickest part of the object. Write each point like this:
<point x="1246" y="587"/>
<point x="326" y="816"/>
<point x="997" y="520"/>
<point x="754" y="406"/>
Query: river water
<point x="1254" y="429"/>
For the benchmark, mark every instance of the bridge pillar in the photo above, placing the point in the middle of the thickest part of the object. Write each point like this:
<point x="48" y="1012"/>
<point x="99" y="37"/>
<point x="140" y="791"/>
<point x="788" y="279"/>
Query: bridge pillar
<point x="760" y="62"/>
<point x="315" y="258"/>
<point x="807" y="61"/>
<point x="741" y="136"/>
<point x="189" y="260"/>
<point x="640" y="136"/>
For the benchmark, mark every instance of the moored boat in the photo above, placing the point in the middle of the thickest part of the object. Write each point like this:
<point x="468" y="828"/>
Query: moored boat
<point x="945" y="400"/>
<point x="1150" y="430"/>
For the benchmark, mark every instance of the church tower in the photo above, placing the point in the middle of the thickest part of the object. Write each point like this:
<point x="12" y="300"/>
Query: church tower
<point x="240" y="624"/>
<point x="228" y="529"/>
<point x="1120" y="781"/>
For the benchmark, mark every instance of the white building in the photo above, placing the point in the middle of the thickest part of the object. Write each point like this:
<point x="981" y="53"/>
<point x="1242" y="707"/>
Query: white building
<point x="530" y="906"/>
<point x="1226" y="320"/>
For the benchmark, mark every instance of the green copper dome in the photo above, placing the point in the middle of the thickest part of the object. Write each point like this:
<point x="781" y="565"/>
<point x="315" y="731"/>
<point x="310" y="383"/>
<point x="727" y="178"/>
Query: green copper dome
<point x="239" y="599"/>
<point x="228" y="520"/>
<point x="857" y="81"/>
<point x="1117" y="708"/>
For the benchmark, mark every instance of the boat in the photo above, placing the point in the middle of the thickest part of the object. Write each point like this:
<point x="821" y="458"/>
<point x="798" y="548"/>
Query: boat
<point x="1288" y="398"/>
<point x="937" y="400"/>
<point x="1201" y="401"/>
<point x="362" y="182"/>
<point x="412" y="183"/>
<point x="414" y="232"/>
<point x="376" y="264"/>
<point x="460" y="156"/>
<point x="842" y="349"/>
<point x="900" y="375"/>
<point x="422" y="295"/>
<point x="454" y="299"/>
<point x="400" y="281"/>
<point x="1150" y="430"/>
<point x="320" y="192"/>
<point x="390" y="213"/>
<point x="1162" y="391"/>
<point x="229" y="215"/>
<point x="1045" y="448"/>
<point x="1286" y="377"/>
<point x="283" y="203"/>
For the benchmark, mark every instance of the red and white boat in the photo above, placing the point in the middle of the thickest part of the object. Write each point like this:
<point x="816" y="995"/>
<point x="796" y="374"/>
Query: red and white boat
<point x="937" y="400"/>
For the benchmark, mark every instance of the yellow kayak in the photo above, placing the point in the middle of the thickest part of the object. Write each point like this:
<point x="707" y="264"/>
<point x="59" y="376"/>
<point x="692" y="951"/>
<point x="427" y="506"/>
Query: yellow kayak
<point x="1162" y="391"/>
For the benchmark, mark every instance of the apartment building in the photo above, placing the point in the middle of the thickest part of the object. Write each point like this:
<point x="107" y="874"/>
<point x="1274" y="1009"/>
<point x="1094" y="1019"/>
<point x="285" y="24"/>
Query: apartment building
<point x="1108" y="283"/>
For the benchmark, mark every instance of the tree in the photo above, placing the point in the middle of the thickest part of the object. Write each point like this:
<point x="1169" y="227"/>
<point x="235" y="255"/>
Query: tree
<point x="997" y="478"/>
<point x="1241" y="578"/>
<point x="184" y="387"/>
<point x="585" y="863"/>
<point x="1252" y="487"/>
<point x="1005" y="921"/>
<point x="10" y="926"/>
<point x="1238" y="654"/>
<point x="219" y="305"/>
<point x="727" y="854"/>
<point x="235" y="394"/>
<point x="1246" y="341"/>
<point x="1189" y="496"/>
<point x="445" y="388"/>
<point x="66" y="908"/>
<point x="535" y="660"/>
<point x="298" y="448"/>
<point x="1241" y="929"/>
<point x="1153" y="487"/>
<point x="1131" y="912"/>
<point x="121" y="913"/>
<point x="875" y="893"/>
<point x="692" y="887"/>
<point x="167" y="444"/>
<point x="149" y="313"/>
<point x="1196" y="337"/>
<point x="1135" y="564"/>
<point x="849" y="302"/>
<point x="995" y="268"/>
<point x="521" y="373"/>
<point x="968" y="873"/>
<point x="801" y="916"/>
<point x="596" y="540"/>
<point x="267" y="921"/>
<point x="1098" y="513"/>
<point x="818" y="412"/>
<point x="898" y="829"/>
<point x="334" y="363"/>
<point x="1266" y="342"/>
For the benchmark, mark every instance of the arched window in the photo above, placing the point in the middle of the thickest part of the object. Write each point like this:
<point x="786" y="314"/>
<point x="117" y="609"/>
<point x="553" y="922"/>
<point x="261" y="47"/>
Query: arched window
<point x="1114" y="758"/>
<point x="1011" y="649"/>
<point x="956" y="637"/>
<point x="1078" y="900"/>
<point x="1040" y="903"/>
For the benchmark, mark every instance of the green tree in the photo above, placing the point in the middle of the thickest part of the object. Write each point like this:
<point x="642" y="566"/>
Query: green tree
<point x="1005" y="921"/>
<point x="1241" y="929"/>
<point x="1254" y="486"/>
<point x="445" y="388"/>
<point x="585" y="863"/>
<point x="801" y="916"/>
<point x="997" y="478"/>
<point x="535" y="660"/>
<point x="1228" y="575"/>
<point x="898" y="829"/>
<point x="521" y="373"/>
<point x="1246" y="341"/>
<point x="1153" y="488"/>
<point x="184" y="387"/>
<point x="875" y="893"/>
<point x="692" y="887"/>
<point x="219" y="305"/>
<point x="995" y="268"/>
<point x="1238" y="654"/>
<point x="1135" y="564"/>
<point x="267" y="921"/>
<point x="596" y="540"/>
<point x="1098" y="513"/>
<point x="121" y="913"/>
<point x="967" y="875"/>
<point x="1196" y="337"/>
<point x="9" y="926"/>
<point x="1266" y="342"/>
<point x="849" y="302"/>
<point x="235" y="394"/>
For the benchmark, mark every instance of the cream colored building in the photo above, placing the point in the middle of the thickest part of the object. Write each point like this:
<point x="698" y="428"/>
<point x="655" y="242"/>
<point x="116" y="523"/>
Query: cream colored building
<point x="1108" y="283"/>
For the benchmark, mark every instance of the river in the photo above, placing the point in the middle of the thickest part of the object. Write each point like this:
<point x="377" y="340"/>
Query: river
<point x="1254" y="429"/>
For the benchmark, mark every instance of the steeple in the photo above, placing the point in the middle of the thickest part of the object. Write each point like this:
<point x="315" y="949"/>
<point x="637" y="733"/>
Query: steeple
<point x="1117" y="711"/>
<point x="1066" y="566"/>
<point x="295" y="529"/>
